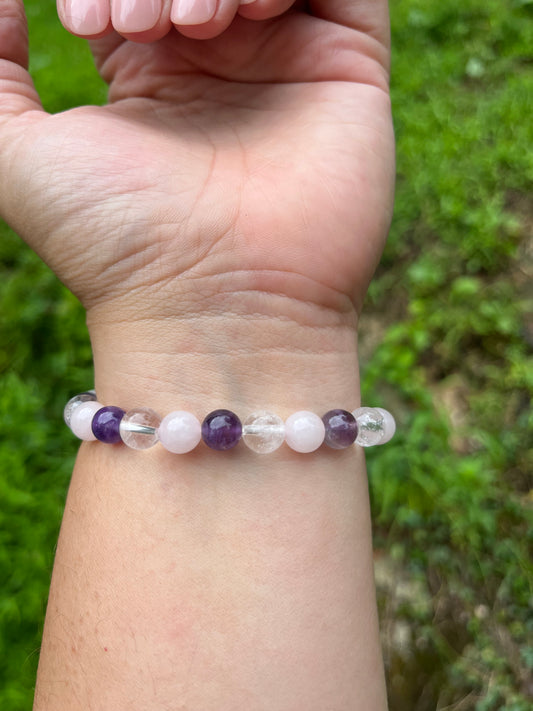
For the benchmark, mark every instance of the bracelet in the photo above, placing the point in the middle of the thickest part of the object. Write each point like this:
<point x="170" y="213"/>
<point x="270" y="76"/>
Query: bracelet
<point x="263" y="432"/>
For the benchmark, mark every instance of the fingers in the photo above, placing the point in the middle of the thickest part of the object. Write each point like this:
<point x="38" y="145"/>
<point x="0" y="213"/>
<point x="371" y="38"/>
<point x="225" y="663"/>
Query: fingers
<point x="13" y="33"/>
<point x="149" y="20"/>
<point x="131" y="17"/>
<point x="140" y="20"/>
<point x="263" y="9"/>
<point x="87" y="18"/>
<point x="204" y="19"/>
<point x="17" y="93"/>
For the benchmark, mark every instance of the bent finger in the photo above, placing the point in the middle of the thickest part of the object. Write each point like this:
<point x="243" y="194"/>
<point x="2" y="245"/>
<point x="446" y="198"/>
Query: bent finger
<point x="203" y="19"/>
<point x="137" y="20"/>
<point x="141" y="20"/>
<point x="85" y="18"/>
<point x="263" y="9"/>
<point x="17" y="92"/>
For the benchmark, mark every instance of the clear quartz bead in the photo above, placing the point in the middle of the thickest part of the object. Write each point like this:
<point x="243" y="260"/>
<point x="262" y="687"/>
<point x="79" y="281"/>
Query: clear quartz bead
<point x="74" y="402"/>
<point x="263" y="432"/>
<point x="138" y="428"/>
<point x="371" y="426"/>
<point x="389" y="425"/>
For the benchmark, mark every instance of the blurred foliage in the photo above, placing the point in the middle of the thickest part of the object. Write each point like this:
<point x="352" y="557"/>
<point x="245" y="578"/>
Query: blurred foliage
<point x="45" y="356"/>
<point x="451" y="493"/>
<point x="451" y="352"/>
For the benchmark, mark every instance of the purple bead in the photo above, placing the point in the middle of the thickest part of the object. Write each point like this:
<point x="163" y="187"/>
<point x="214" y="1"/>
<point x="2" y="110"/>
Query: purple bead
<point x="221" y="429"/>
<point x="106" y="424"/>
<point x="341" y="429"/>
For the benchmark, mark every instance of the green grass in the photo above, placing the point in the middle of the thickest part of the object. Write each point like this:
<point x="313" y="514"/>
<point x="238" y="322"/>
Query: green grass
<point x="451" y="494"/>
<point x="44" y="357"/>
<point x="446" y="340"/>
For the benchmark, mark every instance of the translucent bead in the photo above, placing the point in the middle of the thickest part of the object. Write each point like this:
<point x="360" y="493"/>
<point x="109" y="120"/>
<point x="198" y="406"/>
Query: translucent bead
<point x="341" y="429"/>
<point x="263" y="432"/>
<point x="106" y="424"/>
<point x="221" y="430"/>
<point x="81" y="419"/>
<point x="73" y="403"/>
<point x="138" y="428"/>
<point x="180" y="432"/>
<point x="304" y="431"/>
<point x="389" y="425"/>
<point x="370" y="424"/>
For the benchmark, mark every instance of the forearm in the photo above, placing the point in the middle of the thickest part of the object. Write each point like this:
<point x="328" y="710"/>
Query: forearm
<point x="217" y="580"/>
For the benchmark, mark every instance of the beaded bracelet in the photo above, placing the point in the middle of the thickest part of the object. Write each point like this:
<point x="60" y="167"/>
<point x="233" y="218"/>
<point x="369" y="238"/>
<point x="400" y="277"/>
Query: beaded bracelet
<point x="263" y="432"/>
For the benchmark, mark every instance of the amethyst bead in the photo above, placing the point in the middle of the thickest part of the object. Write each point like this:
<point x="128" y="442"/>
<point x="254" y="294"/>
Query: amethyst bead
<point x="106" y="424"/>
<point x="341" y="429"/>
<point x="221" y="430"/>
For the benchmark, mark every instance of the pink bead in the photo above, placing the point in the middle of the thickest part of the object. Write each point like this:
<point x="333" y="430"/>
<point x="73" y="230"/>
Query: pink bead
<point x="304" y="431"/>
<point x="81" y="420"/>
<point x="180" y="432"/>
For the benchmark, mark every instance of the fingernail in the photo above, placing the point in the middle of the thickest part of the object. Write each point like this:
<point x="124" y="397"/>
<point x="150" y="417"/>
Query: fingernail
<point x="192" y="12"/>
<point x="246" y="2"/>
<point x="135" y="15"/>
<point x="87" y="17"/>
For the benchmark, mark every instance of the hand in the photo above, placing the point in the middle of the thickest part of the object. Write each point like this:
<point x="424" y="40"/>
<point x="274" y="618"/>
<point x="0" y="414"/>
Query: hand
<point x="149" y="20"/>
<point x="265" y="151"/>
<point x="248" y="173"/>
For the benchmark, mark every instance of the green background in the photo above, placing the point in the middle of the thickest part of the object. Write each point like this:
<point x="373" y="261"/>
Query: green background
<point x="446" y="344"/>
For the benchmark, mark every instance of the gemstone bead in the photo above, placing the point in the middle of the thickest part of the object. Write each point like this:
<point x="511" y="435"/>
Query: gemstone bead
<point x="304" y="431"/>
<point x="138" y="428"/>
<point x="370" y="424"/>
<point x="221" y="430"/>
<point x="263" y="432"/>
<point x="73" y="403"/>
<point x="389" y="425"/>
<point x="106" y="424"/>
<point x="180" y="432"/>
<point x="81" y="419"/>
<point x="341" y="429"/>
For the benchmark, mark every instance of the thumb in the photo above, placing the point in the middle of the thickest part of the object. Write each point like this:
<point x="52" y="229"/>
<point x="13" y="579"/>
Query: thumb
<point x="17" y="92"/>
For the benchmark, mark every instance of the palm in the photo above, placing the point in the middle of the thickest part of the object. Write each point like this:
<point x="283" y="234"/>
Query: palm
<point x="277" y="165"/>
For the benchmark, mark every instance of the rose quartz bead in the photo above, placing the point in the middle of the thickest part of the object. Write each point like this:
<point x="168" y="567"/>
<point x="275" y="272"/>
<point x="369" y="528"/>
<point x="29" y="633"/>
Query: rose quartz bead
<point x="180" y="432"/>
<point x="304" y="431"/>
<point x="81" y="420"/>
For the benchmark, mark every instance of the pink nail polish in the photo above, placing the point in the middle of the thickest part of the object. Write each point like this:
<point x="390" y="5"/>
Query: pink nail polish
<point x="87" y="17"/>
<point x="192" y="12"/>
<point x="135" y="15"/>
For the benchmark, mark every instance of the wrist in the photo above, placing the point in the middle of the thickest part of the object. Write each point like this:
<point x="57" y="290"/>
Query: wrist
<point x="244" y="350"/>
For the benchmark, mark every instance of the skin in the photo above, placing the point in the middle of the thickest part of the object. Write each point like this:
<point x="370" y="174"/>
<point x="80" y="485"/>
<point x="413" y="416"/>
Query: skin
<point x="220" y="220"/>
